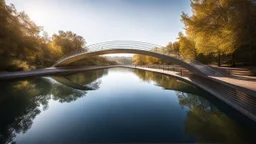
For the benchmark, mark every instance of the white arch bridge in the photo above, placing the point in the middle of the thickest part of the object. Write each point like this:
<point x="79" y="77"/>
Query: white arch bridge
<point x="137" y="47"/>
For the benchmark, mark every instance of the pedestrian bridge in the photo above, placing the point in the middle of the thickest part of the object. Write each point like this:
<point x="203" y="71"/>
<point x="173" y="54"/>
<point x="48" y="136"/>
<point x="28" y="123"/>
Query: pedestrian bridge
<point x="136" y="47"/>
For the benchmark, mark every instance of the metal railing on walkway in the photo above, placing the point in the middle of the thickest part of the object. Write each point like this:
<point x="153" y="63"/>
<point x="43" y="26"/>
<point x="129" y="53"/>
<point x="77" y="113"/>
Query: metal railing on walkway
<point x="174" y="68"/>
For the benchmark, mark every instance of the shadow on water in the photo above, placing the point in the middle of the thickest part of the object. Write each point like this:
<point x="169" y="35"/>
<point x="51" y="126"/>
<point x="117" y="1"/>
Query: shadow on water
<point x="21" y="100"/>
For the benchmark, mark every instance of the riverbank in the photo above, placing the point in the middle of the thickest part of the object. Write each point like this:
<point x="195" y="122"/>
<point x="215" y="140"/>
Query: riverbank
<point x="242" y="102"/>
<point x="48" y="72"/>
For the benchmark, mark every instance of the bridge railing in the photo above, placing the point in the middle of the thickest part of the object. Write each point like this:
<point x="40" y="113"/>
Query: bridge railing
<point x="174" y="68"/>
<point x="138" y="46"/>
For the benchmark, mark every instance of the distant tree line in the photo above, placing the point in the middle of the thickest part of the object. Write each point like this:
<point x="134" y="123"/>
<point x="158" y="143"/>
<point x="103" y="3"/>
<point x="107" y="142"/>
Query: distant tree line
<point x="218" y="31"/>
<point x="149" y="60"/>
<point x="25" y="45"/>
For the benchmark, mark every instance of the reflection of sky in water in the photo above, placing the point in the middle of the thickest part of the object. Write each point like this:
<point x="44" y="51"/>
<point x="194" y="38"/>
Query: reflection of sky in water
<point x="121" y="98"/>
<point x="126" y="108"/>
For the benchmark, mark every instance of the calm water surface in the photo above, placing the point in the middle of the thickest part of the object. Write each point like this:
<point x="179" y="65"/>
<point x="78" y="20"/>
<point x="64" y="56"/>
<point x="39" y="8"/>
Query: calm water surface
<point x="116" y="105"/>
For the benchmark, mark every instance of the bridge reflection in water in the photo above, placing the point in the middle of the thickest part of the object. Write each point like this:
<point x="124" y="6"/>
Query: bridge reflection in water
<point x="82" y="81"/>
<point x="25" y="97"/>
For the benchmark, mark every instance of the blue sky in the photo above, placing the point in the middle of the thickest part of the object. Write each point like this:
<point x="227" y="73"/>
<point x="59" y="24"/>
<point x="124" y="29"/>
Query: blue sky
<point x="154" y="21"/>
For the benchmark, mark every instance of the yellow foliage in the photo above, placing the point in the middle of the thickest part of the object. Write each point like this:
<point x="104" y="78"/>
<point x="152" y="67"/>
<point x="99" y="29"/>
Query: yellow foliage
<point x="54" y="48"/>
<point x="22" y="65"/>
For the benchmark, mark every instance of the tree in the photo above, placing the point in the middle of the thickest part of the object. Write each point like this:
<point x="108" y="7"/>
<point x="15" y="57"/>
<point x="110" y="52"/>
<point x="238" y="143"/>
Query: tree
<point x="68" y="41"/>
<point x="138" y="59"/>
<point x="221" y="26"/>
<point x="187" y="48"/>
<point x="24" y="48"/>
<point x="176" y="47"/>
<point x="204" y="26"/>
<point x="19" y="39"/>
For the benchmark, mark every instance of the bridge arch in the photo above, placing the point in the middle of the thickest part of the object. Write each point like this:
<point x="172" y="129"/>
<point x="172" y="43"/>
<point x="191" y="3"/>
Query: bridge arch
<point x="135" y="47"/>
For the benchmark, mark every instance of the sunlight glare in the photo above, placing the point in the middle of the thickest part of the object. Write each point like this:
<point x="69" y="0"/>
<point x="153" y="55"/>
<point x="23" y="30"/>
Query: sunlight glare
<point x="39" y="17"/>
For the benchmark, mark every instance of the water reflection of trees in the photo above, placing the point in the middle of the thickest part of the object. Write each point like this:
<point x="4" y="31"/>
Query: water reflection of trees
<point x="166" y="82"/>
<point x="20" y="104"/>
<point x="204" y="121"/>
<point x="208" y="124"/>
<point x="21" y="101"/>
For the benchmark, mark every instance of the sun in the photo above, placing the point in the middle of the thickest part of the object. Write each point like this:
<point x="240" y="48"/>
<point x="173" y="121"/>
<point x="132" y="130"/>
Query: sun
<point x="38" y="16"/>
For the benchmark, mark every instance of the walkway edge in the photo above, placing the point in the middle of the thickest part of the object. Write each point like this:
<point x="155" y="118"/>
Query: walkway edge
<point x="48" y="72"/>
<point x="242" y="89"/>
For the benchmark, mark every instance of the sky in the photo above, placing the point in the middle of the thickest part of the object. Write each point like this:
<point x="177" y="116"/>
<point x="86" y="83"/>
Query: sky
<point x="153" y="21"/>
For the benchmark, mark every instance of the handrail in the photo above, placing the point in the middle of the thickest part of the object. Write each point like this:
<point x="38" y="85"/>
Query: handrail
<point x="109" y="45"/>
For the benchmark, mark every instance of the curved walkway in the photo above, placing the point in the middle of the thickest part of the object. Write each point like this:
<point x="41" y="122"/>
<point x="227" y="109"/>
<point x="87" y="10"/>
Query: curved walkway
<point x="241" y="101"/>
<point x="237" y="99"/>
<point x="195" y="69"/>
<point x="48" y="72"/>
<point x="137" y="47"/>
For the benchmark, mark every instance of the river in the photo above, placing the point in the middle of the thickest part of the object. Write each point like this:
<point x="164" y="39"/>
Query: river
<point x="116" y="105"/>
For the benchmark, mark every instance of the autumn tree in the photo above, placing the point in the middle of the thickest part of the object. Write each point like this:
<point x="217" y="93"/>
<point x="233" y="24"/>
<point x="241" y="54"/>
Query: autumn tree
<point x="221" y="26"/>
<point x="176" y="47"/>
<point x="138" y="59"/>
<point x="25" y="45"/>
<point x="187" y="48"/>
<point x="68" y="41"/>
<point x="19" y="39"/>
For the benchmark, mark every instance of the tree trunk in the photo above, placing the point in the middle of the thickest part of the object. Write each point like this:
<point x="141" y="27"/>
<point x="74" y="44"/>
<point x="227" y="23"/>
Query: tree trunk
<point x="196" y="58"/>
<point x="219" y="63"/>
<point x="233" y="60"/>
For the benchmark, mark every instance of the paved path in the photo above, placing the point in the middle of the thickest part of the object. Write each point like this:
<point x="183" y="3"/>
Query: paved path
<point x="48" y="71"/>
